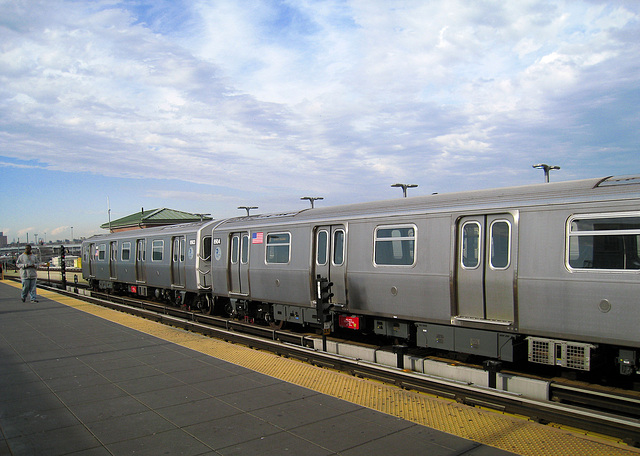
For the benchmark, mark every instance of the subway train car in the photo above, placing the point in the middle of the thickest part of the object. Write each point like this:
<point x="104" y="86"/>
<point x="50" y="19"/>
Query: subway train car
<point x="169" y="263"/>
<point x="548" y="272"/>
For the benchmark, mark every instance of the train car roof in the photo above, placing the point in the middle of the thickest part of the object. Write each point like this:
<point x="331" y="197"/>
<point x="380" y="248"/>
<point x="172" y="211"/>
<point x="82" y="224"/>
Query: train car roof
<point x="544" y="194"/>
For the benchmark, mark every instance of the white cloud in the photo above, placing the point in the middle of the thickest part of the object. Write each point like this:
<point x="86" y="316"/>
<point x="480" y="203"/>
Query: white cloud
<point x="303" y="95"/>
<point x="61" y="230"/>
<point x="189" y="196"/>
<point x="25" y="231"/>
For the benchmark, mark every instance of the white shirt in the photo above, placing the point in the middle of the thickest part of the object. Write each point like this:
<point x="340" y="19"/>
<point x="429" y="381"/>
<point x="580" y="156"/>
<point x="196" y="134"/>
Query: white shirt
<point x="28" y="266"/>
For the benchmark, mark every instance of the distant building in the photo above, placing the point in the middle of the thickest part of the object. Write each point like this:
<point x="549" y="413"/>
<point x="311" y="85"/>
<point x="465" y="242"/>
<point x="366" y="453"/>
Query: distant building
<point x="3" y="240"/>
<point x="150" y="218"/>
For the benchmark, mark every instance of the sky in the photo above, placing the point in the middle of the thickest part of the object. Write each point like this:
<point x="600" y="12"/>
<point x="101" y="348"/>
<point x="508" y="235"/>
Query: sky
<point x="107" y="107"/>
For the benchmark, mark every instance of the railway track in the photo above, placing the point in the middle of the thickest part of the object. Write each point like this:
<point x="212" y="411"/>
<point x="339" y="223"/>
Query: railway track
<point x="606" y="413"/>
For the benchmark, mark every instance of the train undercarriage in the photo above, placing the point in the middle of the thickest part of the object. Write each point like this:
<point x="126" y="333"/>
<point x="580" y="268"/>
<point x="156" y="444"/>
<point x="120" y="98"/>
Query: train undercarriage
<point x="174" y="297"/>
<point x="577" y="356"/>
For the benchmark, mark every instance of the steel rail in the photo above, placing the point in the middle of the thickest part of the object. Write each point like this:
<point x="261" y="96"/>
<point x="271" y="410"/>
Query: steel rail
<point x="604" y="401"/>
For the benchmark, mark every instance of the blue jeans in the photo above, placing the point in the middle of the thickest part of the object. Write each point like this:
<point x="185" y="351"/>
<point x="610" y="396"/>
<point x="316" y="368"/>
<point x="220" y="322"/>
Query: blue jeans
<point x="29" y="286"/>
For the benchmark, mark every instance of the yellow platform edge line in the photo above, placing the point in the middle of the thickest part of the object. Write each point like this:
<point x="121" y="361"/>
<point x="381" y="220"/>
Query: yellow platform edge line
<point x="503" y="431"/>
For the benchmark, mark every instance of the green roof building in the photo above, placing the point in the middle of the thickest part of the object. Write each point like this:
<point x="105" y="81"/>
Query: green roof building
<point x="153" y="217"/>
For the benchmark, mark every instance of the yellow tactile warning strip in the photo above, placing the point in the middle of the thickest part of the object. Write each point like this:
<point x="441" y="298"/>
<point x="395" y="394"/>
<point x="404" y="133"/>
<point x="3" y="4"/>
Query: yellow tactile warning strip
<point x="506" y="432"/>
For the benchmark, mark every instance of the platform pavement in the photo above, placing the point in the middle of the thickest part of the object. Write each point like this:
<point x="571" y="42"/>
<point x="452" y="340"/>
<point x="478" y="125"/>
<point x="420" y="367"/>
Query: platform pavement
<point x="74" y="383"/>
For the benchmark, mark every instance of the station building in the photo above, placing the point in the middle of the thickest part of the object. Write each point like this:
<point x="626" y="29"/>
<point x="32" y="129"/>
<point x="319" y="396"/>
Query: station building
<point x="152" y="218"/>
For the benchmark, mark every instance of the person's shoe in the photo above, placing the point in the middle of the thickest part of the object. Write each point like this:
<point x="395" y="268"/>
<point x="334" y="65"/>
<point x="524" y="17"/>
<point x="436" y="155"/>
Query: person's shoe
<point x="34" y="300"/>
<point x="22" y="299"/>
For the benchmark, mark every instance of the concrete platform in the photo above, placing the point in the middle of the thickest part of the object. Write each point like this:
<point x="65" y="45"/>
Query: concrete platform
<point x="73" y="382"/>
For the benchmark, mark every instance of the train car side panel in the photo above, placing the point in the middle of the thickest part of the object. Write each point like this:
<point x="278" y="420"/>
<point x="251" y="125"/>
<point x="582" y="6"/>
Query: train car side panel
<point x="564" y="293"/>
<point x="125" y="261"/>
<point x="279" y="264"/>
<point x="396" y="269"/>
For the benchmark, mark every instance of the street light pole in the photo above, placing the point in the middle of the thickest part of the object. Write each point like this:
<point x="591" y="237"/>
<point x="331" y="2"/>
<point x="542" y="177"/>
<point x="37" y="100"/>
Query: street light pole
<point x="247" y="208"/>
<point x="404" y="188"/>
<point x="312" y="199"/>
<point x="546" y="169"/>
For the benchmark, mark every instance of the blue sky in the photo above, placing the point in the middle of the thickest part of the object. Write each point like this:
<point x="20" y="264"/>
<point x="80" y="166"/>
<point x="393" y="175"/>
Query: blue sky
<point x="207" y="105"/>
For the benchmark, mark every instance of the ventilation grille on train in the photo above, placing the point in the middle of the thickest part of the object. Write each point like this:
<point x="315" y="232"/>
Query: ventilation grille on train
<point x="574" y="355"/>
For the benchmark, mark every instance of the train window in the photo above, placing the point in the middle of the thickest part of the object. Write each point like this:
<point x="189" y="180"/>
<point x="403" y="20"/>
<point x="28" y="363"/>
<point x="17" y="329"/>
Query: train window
<point x="471" y="232"/>
<point x="205" y="248"/>
<point x="604" y="242"/>
<point x="338" y="247"/>
<point x="500" y="244"/>
<point x="278" y="248"/>
<point x="235" y="249"/>
<point x="126" y="251"/>
<point x="395" y="246"/>
<point x="244" y="254"/>
<point x="322" y="248"/>
<point x="102" y="252"/>
<point x="157" y="250"/>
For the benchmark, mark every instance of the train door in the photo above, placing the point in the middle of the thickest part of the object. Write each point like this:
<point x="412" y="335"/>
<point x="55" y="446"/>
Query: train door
<point x="239" y="264"/>
<point x="90" y="256"/>
<point x="178" y="247"/>
<point x="486" y="267"/>
<point x="203" y="262"/>
<point x="113" y="259"/>
<point x="141" y="258"/>
<point x="330" y="259"/>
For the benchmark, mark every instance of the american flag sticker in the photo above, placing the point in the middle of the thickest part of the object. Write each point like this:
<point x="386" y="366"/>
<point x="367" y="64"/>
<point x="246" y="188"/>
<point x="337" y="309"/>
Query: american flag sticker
<point x="256" y="238"/>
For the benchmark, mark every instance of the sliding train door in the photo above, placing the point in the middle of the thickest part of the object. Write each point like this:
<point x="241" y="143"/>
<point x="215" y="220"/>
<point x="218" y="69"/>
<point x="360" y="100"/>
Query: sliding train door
<point x="330" y="259"/>
<point x="141" y="258"/>
<point x="178" y="247"/>
<point x="113" y="260"/>
<point x="90" y="257"/>
<point x="239" y="263"/>
<point x="486" y="268"/>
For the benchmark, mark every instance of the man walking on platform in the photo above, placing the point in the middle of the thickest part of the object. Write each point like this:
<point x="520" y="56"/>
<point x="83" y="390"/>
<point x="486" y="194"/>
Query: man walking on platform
<point x="27" y="263"/>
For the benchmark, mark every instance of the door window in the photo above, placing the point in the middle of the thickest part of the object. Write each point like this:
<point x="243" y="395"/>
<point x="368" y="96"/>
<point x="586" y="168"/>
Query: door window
<point x="338" y="247"/>
<point x="471" y="233"/>
<point x="244" y="256"/>
<point x="323" y="248"/>
<point x="235" y="249"/>
<point x="500" y="244"/>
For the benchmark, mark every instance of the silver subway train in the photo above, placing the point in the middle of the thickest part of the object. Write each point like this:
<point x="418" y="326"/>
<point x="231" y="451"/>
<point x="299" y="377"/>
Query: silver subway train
<point x="548" y="273"/>
<point x="164" y="263"/>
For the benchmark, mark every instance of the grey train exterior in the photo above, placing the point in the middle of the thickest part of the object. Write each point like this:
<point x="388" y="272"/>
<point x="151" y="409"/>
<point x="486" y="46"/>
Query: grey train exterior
<point x="166" y="263"/>
<point x="548" y="271"/>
